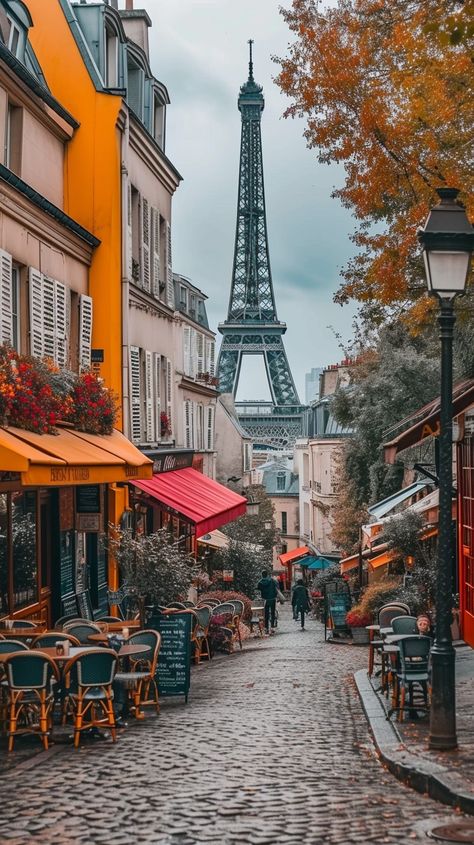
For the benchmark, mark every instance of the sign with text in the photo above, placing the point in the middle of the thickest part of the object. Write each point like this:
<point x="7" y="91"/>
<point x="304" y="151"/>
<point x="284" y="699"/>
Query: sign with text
<point x="169" y="461"/>
<point x="174" y="661"/>
<point x="88" y="498"/>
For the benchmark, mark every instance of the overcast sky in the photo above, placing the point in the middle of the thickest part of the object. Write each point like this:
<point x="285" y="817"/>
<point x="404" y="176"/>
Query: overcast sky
<point x="199" y="50"/>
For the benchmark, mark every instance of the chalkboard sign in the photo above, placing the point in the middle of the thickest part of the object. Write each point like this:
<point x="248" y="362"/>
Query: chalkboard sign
<point x="337" y="601"/>
<point x="66" y="554"/>
<point x="84" y="605"/>
<point x="69" y="605"/>
<point x="338" y="606"/>
<point x="88" y="498"/>
<point x="174" y="659"/>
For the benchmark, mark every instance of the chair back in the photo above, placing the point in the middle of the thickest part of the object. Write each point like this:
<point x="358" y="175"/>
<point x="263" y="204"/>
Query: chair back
<point x="48" y="639"/>
<point x="189" y="603"/>
<point x="95" y="667"/>
<point x="109" y="619"/>
<point x="404" y="625"/>
<point x="389" y="612"/>
<point x="63" y="620"/>
<point x="7" y="646"/>
<point x="414" y="655"/>
<point x="24" y="623"/>
<point x="239" y="607"/>
<point x="225" y="607"/>
<point x="150" y="638"/>
<point x="210" y="602"/>
<point x="30" y="670"/>
<point x="81" y="631"/>
<point x="177" y="605"/>
<point x="204" y="617"/>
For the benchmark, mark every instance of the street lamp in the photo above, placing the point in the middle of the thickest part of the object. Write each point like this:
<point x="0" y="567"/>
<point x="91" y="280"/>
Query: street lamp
<point x="448" y="241"/>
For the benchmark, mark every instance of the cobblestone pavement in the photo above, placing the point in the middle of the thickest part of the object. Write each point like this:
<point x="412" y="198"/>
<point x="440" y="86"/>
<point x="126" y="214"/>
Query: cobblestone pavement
<point x="273" y="747"/>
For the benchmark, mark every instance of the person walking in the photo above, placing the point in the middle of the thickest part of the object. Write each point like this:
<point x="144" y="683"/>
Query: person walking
<point x="300" y="601"/>
<point x="269" y="591"/>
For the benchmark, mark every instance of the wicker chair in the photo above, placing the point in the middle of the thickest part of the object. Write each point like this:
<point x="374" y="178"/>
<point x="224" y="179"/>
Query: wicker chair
<point x="90" y="676"/>
<point x="202" y="633"/>
<point x="29" y="694"/>
<point x="48" y="639"/>
<point x="141" y="679"/>
<point x="82" y="630"/>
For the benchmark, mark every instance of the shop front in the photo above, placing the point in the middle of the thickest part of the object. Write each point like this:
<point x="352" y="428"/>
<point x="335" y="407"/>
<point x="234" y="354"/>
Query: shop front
<point x="58" y="494"/>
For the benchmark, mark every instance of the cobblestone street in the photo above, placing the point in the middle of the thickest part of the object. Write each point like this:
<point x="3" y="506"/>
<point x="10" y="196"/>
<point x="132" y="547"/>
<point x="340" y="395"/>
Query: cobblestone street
<point x="273" y="747"/>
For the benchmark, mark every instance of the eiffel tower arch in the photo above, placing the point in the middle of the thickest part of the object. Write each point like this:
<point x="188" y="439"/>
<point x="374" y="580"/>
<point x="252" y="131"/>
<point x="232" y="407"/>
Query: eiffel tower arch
<point x="252" y="326"/>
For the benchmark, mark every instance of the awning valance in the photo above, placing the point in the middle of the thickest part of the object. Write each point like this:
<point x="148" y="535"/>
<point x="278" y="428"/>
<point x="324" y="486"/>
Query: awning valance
<point x="293" y="555"/>
<point x="198" y="498"/>
<point x="70" y="457"/>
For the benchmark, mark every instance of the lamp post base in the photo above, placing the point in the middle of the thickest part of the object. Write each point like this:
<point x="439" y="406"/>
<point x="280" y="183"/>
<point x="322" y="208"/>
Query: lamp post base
<point x="443" y="701"/>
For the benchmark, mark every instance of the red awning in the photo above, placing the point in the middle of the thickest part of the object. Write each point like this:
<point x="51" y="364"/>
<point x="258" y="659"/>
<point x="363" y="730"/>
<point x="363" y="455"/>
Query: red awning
<point x="294" y="555"/>
<point x="198" y="498"/>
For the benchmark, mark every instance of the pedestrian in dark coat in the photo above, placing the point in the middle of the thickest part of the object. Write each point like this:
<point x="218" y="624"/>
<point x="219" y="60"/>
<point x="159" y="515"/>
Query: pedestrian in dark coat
<point x="300" y="601"/>
<point x="269" y="591"/>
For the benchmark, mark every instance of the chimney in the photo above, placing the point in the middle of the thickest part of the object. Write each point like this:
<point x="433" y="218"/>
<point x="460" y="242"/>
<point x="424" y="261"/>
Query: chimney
<point x="129" y="5"/>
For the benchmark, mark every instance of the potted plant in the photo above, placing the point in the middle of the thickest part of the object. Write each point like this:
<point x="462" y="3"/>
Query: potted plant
<point x="356" y="620"/>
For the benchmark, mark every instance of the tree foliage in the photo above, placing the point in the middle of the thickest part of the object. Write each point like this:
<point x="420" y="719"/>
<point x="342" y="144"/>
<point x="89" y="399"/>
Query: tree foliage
<point x="247" y="561"/>
<point x="258" y="529"/>
<point x="387" y="90"/>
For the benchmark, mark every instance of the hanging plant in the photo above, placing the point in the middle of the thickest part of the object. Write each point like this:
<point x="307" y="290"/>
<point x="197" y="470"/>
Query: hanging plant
<point x="94" y="406"/>
<point x="165" y="424"/>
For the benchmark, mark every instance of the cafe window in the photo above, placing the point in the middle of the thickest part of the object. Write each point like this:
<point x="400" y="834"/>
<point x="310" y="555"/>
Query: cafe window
<point x="25" y="567"/>
<point x="284" y="522"/>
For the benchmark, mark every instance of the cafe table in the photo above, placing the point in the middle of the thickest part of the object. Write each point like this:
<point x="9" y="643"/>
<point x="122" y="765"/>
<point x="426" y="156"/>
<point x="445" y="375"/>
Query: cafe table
<point x="22" y="633"/>
<point x="131" y="624"/>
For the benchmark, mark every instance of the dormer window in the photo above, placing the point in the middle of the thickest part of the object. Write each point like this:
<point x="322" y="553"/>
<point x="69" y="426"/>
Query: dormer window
<point x="14" y="39"/>
<point x="281" y="481"/>
<point x="183" y="298"/>
<point x="135" y="87"/>
<point x="159" y="113"/>
<point x="111" y="57"/>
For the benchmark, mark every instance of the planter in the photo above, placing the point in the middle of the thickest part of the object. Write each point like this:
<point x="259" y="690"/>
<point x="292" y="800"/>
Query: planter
<point x="360" y="636"/>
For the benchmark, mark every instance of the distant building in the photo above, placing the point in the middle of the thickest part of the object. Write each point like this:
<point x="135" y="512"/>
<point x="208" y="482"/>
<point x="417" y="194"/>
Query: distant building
<point x="233" y="446"/>
<point x="311" y="384"/>
<point x="281" y="485"/>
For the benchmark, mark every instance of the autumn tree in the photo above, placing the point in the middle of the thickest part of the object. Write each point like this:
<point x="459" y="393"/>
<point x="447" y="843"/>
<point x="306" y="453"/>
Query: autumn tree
<point x="387" y="90"/>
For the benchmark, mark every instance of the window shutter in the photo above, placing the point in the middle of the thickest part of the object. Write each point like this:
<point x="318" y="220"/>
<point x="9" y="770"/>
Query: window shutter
<point x="187" y="350"/>
<point x="200" y="352"/>
<point x="211" y="357"/>
<point x="187" y="423"/>
<point x="155" y="242"/>
<point x="157" y="386"/>
<point x="169" y="269"/>
<point x="169" y="392"/>
<point x="49" y="344"/>
<point x="210" y="428"/>
<point x="149" y="398"/>
<point x="6" y="302"/>
<point x="62" y="319"/>
<point x="193" y="369"/>
<point x="146" y="245"/>
<point x="129" y="233"/>
<point x="135" y="395"/>
<point x="36" y="313"/>
<point x="85" y="331"/>
<point x="198" y="444"/>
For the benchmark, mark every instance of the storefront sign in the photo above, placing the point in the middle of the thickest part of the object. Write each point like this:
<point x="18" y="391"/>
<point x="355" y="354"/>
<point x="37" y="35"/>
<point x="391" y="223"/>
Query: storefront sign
<point x="227" y="574"/>
<point x="174" y="665"/>
<point x="169" y="461"/>
<point x="97" y="356"/>
<point x="88" y="498"/>
<point x="88" y="521"/>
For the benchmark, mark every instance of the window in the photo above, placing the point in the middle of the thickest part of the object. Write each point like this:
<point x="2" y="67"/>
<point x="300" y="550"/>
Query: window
<point x="247" y="457"/>
<point x="183" y="297"/>
<point x="135" y="87"/>
<point x="281" y="479"/>
<point x="111" y="57"/>
<point x="159" y="114"/>
<point x="14" y="39"/>
<point x="50" y="310"/>
<point x="284" y="522"/>
<point x="13" y="138"/>
<point x="134" y="234"/>
<point x="9" y="301"/>
<point x="25" y="567"/>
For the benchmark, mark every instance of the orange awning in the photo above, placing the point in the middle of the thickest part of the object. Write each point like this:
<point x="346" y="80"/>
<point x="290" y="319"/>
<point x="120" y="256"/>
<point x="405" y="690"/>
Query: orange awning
<point x="70" y="457"/>
<point x="290" y="557"/>
<point x="349" y="563"/>
<point x="383" y="560"/>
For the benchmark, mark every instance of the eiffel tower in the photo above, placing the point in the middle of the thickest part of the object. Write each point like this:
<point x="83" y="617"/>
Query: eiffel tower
<point x="252" y="326"/>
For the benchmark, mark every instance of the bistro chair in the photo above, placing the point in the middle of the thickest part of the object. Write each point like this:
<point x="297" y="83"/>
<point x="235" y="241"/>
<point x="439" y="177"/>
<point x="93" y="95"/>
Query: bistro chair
<point x="202" y="632"/>
<point x="404" y="625"/>
<point x="413" y="669"/>
<point x="29" y="694"/>
<point x="64" y="619"/>
<point x="189" y="603"/>
<point x="209" y="602"/>
<point x="82" y="630"/>
<point x="24" y="623"/>
<point x="177" y="605"/>
<point x="89" y="676"/>
<point x="48" y="639"/>
<point x="225" y="611"/>
<point x="239" y="610"/>
<point x="110" y="619"/>
<point x="385" y="614"/>
<point x="141" y="679"/>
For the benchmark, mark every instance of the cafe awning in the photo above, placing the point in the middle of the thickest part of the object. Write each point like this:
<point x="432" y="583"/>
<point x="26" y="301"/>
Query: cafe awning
<point x="294" y="555"/>
<point x="215" y="539"/>
<point x="196" y="497"/>
<point x="70" y="457"/>
<point x="383" y="559"/>
<point x="319" y="563"/>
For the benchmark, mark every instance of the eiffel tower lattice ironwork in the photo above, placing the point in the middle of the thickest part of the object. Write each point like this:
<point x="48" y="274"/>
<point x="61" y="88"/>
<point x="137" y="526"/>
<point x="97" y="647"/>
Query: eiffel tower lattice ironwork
<point x="252" y="326"/>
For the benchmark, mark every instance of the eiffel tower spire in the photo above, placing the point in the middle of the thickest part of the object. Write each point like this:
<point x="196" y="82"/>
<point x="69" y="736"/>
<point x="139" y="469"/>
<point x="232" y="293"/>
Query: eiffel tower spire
<point x="252" y="326"/>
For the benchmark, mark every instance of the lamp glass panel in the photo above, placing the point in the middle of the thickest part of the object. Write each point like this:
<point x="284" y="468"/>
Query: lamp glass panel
<point x="447" y="271"/>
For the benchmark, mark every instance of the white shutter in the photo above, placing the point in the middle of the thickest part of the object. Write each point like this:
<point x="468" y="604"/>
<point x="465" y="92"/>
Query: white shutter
<point x="211" y="357"/>
<point x="135" y="395"/>
<point x="169" y="392"/>
<point x="187" y="423"/>
<point x="149" y="400"/>
<point x="199" y="415"/>
<point x="200" y="353"/>
<point x="193" y="369"/>
<point x="129" y="245"/>
<point x="155" y="252"/>
<point x="187" y="350"/>
<point x="49" y="334"/>
<point x="146" y="279"/>
<point x="85" y="331"/>
<point x="62" y="319"/>
<point x="157" y="386"/>
<point x="36" y="313"/>
<point x="210" y="412"/>
<point x="6" y="300"/>
<point x="169" y="269"/>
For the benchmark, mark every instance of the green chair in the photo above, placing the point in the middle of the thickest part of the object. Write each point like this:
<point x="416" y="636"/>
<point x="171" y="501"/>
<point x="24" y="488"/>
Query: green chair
<point x="177" y="605"/>
<point x="413" y="670"/>
<point x="141" y="679"/>
<point x="109" y="619"/>
<point x="9" y="646"/>
<point x="24" y="623"/>
<point x="404" y="625"/>
<point x="29" y="694"/>
<point x="89" y="677"/>
<point x="48" y="639"/>
<point x="233" y="625"/>
<point x="63" y="620"/>
<point x="82" y="630"/>
<point x="202" y="632"/>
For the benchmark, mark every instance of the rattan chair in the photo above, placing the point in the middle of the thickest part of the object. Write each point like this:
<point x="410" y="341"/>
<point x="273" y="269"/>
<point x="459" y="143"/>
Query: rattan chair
<point x="29" y="694"/>
<point x="48" y="639"/>
<point x="141" y="679"/>
<point x="90" y="676"/>
<point x="202" y="632"/>
<point x="413" y="670"/>
<point x="82" y="630"/>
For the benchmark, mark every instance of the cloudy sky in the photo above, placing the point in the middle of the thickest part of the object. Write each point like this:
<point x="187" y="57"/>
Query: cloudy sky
<point x="199" y="50"/>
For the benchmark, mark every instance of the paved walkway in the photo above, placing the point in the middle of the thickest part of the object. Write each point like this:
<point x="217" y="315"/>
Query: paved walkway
<point x="273" y="747"/>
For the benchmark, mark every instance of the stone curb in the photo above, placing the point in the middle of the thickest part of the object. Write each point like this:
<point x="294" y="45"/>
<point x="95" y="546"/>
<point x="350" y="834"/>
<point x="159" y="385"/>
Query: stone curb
<point x="418" y="772"/>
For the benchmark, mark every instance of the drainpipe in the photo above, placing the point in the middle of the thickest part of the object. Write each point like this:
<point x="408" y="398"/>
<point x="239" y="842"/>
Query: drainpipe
<point x="124" y="145"/>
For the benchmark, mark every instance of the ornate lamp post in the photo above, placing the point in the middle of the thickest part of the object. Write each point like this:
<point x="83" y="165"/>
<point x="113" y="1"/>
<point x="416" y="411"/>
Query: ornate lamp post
<point x="448" y="241"/>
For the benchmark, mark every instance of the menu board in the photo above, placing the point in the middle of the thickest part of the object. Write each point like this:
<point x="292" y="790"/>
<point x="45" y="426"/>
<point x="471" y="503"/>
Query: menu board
<point x="174" y="659"/>
<point x="66" y="556"/>
<point x="338" y="606"/>
<point x="84" y="605"/>
<point x="88" y="498"/>
<point x="69" y="605"/>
